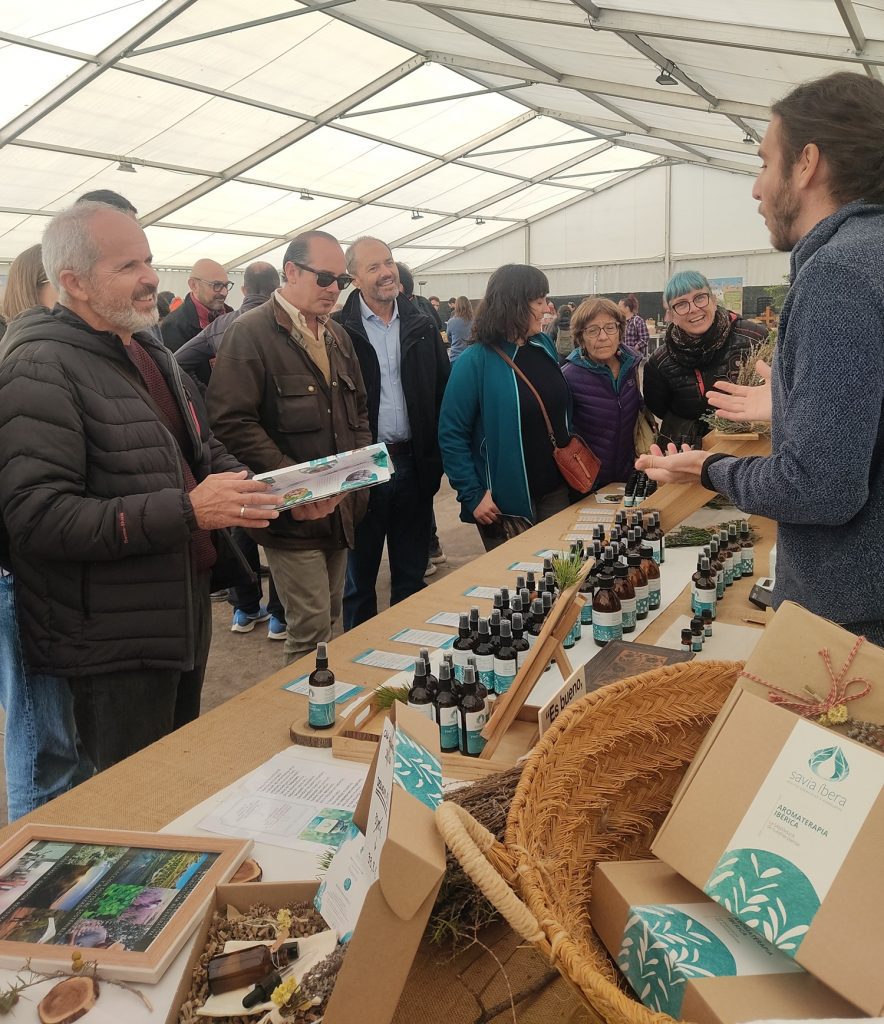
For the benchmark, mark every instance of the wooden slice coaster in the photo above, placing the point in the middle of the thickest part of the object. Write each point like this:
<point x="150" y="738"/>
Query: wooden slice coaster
<point x="68" y="1000"/>
<point x="249" y="871"/>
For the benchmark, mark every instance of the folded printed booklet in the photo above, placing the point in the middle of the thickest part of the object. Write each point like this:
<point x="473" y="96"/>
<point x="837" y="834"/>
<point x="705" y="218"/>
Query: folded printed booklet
<point x="333" y="475"/>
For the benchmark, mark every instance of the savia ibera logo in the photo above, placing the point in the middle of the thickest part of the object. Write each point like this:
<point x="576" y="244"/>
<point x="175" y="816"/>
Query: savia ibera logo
<point x="830" y="764"/>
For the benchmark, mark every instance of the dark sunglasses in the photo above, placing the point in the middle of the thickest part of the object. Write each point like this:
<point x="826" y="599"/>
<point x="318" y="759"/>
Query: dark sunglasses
<point x="325" y="278"/>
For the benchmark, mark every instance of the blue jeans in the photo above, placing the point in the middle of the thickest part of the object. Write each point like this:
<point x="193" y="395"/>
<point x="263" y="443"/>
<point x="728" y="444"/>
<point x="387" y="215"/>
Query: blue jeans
<point x="247" y="598"/>
<point x="401" y="515"/>
<point x="42" y="753"/>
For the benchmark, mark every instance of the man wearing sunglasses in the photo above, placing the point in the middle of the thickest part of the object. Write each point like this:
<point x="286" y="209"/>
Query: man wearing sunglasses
<point x="286" y="388"/>
<point x="206" y="300"/>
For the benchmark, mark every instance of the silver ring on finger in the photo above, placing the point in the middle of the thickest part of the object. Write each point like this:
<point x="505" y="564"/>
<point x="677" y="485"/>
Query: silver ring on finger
<point x="242" y="512"/>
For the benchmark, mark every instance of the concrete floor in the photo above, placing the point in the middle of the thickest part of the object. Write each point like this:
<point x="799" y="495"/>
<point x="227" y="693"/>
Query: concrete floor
<point x="239" y="660"/>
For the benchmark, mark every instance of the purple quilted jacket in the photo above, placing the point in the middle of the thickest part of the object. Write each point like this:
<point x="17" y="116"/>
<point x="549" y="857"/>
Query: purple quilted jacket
<point x="605" y="410"/>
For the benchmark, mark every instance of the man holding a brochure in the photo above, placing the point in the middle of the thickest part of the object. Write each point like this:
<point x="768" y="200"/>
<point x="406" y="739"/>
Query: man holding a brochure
<point x="287" y="388"/>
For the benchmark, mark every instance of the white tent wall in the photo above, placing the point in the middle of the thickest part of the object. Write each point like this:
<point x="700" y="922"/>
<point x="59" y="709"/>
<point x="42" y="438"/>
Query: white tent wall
<point x="617" y="241"/>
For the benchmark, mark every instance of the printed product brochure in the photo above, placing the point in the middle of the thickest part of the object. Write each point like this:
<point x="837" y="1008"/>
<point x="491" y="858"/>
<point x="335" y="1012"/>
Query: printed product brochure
<point x="401" y="761"/>
<point x="325" y="478"/>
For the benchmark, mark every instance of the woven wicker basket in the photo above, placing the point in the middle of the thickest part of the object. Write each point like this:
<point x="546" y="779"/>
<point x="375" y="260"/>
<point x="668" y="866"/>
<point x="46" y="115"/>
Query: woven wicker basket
<point x="595" y="788"/>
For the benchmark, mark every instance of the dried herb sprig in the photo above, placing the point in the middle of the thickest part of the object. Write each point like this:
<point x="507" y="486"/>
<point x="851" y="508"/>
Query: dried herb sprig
<point x="567" y="569"/>
<point x="386" y="696"/>
<point x="697" y="536"/>
<point x="747" y="376"/>
<point x="27" y="977"/>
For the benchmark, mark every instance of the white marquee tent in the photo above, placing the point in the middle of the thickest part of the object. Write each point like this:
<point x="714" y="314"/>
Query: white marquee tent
<point x="609" y="142"/>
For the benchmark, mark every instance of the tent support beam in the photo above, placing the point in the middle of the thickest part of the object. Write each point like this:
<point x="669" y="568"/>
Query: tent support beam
<point x="326" y="5"/>
<point x="108" y="57"/>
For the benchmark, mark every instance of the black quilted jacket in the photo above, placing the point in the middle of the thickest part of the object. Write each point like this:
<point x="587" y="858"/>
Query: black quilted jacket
<point x="92" y="495"/>
<point x="677" y="393"/>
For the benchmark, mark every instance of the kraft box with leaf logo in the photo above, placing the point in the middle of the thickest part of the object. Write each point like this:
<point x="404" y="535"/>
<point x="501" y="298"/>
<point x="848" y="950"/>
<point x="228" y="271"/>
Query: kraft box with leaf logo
<point x="684" y="955"/>
<point x="781" y="821"/>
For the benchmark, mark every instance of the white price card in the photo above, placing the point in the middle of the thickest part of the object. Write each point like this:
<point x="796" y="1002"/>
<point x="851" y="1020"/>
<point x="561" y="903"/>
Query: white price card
<point x="385" y="659"/>
<point x="423" y="638"/>
<point x="528" y="566"/>
<point x="445" y="619"/>
<point x="343" y="691"/>
<point x="487" y="592"/>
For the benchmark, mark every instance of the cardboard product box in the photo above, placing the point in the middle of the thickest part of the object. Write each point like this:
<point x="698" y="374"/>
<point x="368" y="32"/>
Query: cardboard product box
<point x="674" y="946"/>
<point x="781" y="821"/>
<point x="397" y="905"/>
<point x="788" y="656"/>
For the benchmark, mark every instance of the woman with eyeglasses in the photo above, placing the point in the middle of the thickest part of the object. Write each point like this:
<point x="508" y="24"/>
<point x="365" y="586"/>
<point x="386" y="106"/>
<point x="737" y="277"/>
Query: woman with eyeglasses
<point x="602" y="374"/>
<point x="704" y="343"/>
<point x="40" y="747"/>
<point x="495" y="446"/>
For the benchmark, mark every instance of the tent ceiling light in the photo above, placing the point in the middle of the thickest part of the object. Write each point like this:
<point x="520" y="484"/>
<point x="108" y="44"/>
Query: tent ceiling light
<point x="416" y="215"/>
<point x="748" y="140"/>
<point x="127" y="166"/>
<point x="480" y="221"/>
<point x="664" y="78"/>
<point x="307" y="197"/>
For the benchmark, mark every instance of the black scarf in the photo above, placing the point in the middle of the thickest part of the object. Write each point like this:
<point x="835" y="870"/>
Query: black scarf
<point x="691" y="351"/>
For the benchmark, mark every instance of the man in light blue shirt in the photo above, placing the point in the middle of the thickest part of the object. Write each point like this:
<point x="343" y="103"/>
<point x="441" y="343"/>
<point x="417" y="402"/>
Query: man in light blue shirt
<point x="383" y="336"/>
<point x="405" y="369"/>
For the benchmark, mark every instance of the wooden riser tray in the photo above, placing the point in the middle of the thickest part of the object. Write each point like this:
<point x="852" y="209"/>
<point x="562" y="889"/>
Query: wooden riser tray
<point x="676" y="502"/>
<point x="352" y="745"/>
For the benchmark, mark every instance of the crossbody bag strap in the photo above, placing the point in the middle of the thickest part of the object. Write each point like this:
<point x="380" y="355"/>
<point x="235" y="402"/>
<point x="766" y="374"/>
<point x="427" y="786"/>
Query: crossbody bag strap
<point x="532" y="389"/>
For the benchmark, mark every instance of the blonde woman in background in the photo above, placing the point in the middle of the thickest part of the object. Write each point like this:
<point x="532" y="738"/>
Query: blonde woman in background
<point x="460" y="327"/>
<point x="41" y="748"/>
<point x="27" y="286"/>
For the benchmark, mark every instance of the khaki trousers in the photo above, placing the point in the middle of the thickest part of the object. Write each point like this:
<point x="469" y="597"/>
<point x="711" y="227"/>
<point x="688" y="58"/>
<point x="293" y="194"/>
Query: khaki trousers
<point x="310" y="584"/>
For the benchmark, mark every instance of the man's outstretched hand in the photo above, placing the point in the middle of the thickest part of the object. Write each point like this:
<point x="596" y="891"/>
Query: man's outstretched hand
<point x="741" y="403"/>
<point x="675" y="467"/>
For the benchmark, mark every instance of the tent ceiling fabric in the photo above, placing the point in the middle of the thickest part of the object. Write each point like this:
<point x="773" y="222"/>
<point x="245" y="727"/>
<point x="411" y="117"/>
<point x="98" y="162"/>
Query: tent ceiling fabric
<point x="434" y="124"/>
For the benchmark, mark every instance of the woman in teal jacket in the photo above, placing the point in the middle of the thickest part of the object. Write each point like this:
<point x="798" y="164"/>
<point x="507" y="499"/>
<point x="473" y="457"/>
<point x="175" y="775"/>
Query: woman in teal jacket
<point x="495" y="446"/>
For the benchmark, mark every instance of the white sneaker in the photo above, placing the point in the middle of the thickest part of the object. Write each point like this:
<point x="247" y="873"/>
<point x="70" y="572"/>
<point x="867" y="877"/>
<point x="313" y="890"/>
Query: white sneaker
<point x="431" y="570"/>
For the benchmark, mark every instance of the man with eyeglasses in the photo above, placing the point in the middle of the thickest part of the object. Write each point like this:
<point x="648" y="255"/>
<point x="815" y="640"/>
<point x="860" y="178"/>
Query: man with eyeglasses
<point x="206" y="300"/>
<point x="287" y="388"/>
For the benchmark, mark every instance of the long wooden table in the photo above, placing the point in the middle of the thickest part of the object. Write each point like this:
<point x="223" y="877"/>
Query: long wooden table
<point x="160" y="783"/>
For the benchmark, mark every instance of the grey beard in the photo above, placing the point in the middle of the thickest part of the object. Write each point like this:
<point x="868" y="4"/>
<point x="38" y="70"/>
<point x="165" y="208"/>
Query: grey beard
<point x="126" y="318"/>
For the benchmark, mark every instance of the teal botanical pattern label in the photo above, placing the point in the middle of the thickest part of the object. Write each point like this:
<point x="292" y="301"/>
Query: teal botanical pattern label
<point x="769" y="893"/>
<point x="417" y="771"/>
<point x="796" y="833"/>
<point x="663" y="948"/>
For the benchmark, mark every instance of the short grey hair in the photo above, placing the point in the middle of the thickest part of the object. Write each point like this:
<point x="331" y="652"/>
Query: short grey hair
<point x="350" y="254"/>
<point x="68" y="243"/>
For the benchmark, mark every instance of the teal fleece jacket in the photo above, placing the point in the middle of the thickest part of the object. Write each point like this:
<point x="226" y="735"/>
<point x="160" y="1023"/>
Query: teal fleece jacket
<point x="480" y="431"/>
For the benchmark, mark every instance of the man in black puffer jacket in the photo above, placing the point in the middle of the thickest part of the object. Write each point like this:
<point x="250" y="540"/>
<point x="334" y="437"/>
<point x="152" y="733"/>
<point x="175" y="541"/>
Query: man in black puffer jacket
<point x="111" y="487"/>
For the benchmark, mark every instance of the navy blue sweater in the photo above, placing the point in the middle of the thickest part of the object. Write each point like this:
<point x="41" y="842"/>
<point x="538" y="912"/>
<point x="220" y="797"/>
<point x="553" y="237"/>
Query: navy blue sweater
<point x="824" y="480"/>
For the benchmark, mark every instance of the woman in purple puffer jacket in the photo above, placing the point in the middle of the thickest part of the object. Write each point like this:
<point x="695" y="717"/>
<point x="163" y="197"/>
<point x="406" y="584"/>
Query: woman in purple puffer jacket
<point x="602" y="375"/>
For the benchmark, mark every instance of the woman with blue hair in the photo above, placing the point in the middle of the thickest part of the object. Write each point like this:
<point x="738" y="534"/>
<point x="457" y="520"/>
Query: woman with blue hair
<point x="704" y="343"/>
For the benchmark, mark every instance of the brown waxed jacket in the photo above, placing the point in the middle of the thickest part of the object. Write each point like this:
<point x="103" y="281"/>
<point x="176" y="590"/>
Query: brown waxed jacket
<point x="270" y="404"/>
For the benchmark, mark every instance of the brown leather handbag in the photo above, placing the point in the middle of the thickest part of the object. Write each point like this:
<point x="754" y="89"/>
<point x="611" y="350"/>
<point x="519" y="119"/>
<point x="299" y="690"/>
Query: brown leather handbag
<point x="576" y="461"/>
